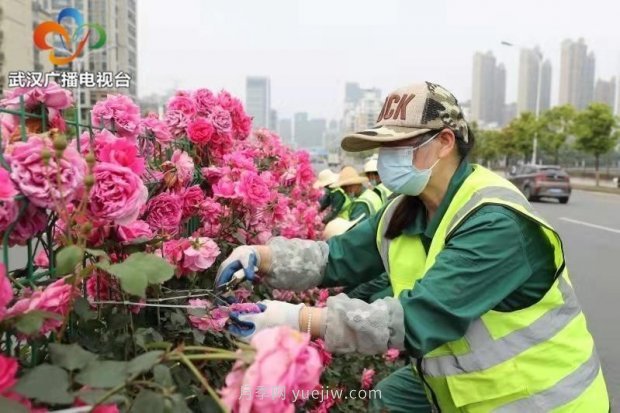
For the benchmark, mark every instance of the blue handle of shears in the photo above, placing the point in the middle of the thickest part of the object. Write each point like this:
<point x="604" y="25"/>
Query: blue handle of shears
<point x="235" y="266"/>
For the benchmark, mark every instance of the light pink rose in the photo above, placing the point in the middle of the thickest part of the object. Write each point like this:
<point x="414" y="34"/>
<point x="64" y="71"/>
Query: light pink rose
<point x="118" y="113"/>
<point x="6" y="291"/>
<point x="225" y="188"/>
<point x="44" y="184"/>
<point x="184" y="166"/>
<point x="200" y="131"/>
<point x="201" y="254"/>
<point x="118" y="194"/>
<point x="220" y="118"/>
<point x="8" y="373"/>
<point x="164" y="212"/>
<point x="391" y="354"/>
<point x="31" y="223"/>
<point x="157" y="128"/>
<point x="193" y="197"/>
<point x="53" y="97"/>
<point x="241" y="294"/>
<point x="7" y="188"/>
<point x="253" y="189"/>
<point x="284" y="359"/>
<point x="204" y="100"/>
<point x="326" y="356"/>
<point x="176" y="121"/>
<point x="213" y="321"/>
<point x="366" y="380"/>
<point x="182" y="104"/>
<point x="283" y="295"/>
<point x="137" y="230"/>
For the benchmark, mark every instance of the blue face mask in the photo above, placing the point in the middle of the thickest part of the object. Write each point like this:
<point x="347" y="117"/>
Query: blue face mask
<point x="398" y="173"/>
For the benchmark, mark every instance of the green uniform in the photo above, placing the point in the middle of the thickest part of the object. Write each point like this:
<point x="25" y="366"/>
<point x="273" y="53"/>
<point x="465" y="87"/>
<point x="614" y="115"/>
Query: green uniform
<point x="383" y="192"/>
<point x="339" y="204"/>
<point x="468" y="278"/>
<point x="367" y="204"/>
<point x="325" y="200"/>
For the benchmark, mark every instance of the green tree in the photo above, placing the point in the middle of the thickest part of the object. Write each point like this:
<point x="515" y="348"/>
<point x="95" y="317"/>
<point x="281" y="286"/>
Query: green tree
<point x="516" y="138"/>
<point x="595" y="129"/>
<point x="555" y="126"/>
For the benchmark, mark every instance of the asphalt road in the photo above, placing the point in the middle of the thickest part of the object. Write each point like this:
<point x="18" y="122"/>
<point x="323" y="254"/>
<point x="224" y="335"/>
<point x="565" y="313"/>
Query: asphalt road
<point x="590" y="229"/>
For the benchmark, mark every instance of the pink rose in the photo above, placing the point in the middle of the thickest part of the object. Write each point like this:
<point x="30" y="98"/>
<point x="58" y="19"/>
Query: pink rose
<point x="6" y="291"/>
<point x="204" y="100"/>
<point x="391" y="354"/>
<point x="157" y="128"/>
<point x="55" y="298"/>
<point x="193" y="197"/>
<point x="225" y="188"/>
<point x="118" y="194"/>
<point x="8" y="213"/>
<point x="284" y="359"/>
<point x="53" y="97"/>
<point x="201" y="254"/>
<point x="102" y="287"/>
<point x="182" y="104"/>
<point x="220" y="118"/>
<point x="172" y="251"/>
<point x="118" y="113"/>
<point x="176" y="121"/>
<point x="253" y="189"/>
<point x="44" y="185"/>
<point x="283" y="295"/>
<point x="164" y="212"/>
<point x="200" y="131"/>
<point x="184" y="166"/>
<point x="8" y="373"/>
<point x="214" y="321"/>
<point x="135" y="231"/>
<point x="326" y="356"/>
<point x="367" y="376"/>
<point x="241" y="294"/>
<point x="41" y="260"/>
<point x="7" y="189"/>
<point x="123" y="153"/>
<point x="31" y="222"/>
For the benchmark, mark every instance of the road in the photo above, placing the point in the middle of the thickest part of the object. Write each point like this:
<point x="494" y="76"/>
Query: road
<point x="590" y="228"/>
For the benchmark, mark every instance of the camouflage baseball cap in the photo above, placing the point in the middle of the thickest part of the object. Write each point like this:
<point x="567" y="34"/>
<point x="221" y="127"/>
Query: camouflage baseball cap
<point x="409" y="112"/>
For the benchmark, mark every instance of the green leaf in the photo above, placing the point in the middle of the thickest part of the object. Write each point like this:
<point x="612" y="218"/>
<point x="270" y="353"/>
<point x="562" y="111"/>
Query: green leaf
<point x="145" y="336"/>
<point x="148" y="401"/>
<point x="70" y="356"/>
<point x="68" y="258"/>
<point x="81" y="307"/>
<point x="96" y="253"/>
<point x="138" y="270"/>
<point x="144" y="362"/>
<point x="161" y="375"/>
<point x="92" y="396"/>
<point x="176" y="404"/>
<point x="31" y="322"/>
<point x="47" y="384"/>
<point x="8" y="405"/>
<point x="103" y="374"/>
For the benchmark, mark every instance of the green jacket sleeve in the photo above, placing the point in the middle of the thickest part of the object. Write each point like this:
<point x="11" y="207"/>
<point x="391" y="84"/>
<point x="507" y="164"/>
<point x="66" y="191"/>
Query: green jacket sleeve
<point x="497" y="259"/>
<point x="358" y="209"/>
<point x="325" y="201"/>
<point x="337" y="202"/>
<point x="353" y="256"/>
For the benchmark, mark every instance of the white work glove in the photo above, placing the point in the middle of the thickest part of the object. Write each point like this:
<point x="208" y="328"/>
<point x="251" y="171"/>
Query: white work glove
<point x="276" y="313"/>
<point x="240" y="265"/>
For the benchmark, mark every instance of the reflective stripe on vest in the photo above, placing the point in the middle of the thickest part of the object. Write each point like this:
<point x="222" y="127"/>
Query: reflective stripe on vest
<point x="383" y="192"/>
<point x="371" y="200"/>
<point x="346" y="207"/>
<point x="535" y="359"/>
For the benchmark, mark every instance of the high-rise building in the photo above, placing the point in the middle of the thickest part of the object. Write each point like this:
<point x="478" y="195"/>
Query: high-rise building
<point x="285" y="130"/>
<point x="605" y="92"/>
<point x="361" y="107"/>
<point x="352" y="92"/>
<point x="16" y="49"/>
<point x="309" y="133"/>
<point x="529" y="72"/>
<point x="258" y="100"/>
<point x="273" y="119"/>
<point x="488" y="89"/>
<point x="576" y="74"/>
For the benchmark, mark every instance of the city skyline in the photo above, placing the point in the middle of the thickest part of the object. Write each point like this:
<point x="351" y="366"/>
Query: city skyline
<point x="311" y="49"/>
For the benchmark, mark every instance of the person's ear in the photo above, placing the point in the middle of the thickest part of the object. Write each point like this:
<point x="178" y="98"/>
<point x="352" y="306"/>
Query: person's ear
<point x="448" y="142"/>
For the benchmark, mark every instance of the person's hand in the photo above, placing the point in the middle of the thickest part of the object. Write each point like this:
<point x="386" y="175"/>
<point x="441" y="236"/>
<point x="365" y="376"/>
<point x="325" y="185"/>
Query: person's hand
<point x="275" y="313"/>
<point x="241" y="264"/>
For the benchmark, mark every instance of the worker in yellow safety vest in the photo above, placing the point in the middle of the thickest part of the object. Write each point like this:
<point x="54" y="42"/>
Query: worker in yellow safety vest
<point x="370" y="169"/>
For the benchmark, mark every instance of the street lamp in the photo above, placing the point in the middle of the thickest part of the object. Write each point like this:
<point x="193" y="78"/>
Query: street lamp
<point x="538" y="92"/>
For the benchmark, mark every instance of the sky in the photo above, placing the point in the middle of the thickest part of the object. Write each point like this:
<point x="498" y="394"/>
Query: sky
<point x="310" y="48"/>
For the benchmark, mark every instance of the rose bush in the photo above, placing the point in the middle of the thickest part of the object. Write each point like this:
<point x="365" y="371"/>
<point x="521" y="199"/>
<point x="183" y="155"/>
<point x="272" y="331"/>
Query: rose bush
<point x="127" y="224"/>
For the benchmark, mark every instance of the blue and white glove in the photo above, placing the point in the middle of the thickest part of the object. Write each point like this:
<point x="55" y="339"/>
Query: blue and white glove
<point x="240" y="265"/>
<point x="275" y="313"/>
